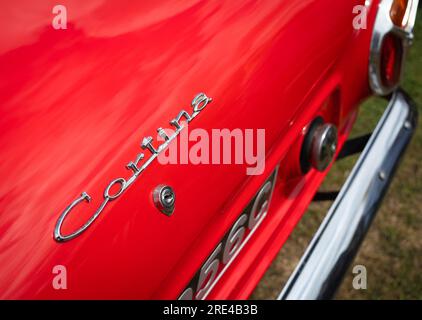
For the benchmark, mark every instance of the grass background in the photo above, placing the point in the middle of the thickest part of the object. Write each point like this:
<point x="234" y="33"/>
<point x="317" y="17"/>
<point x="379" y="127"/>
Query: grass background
<point x="392" y="250"/>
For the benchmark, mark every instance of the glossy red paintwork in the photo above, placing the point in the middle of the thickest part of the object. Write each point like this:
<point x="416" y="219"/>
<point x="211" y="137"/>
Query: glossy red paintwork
<point x="75" y="104"/>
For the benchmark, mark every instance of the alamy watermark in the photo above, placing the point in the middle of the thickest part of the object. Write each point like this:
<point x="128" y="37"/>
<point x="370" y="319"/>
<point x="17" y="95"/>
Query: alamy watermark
<point x="221" y="146"/>
<point x="360" y="21"/>
<point x="360" y="280"/>
<point x="60" y="19"/>
<point x="59" y="281"/>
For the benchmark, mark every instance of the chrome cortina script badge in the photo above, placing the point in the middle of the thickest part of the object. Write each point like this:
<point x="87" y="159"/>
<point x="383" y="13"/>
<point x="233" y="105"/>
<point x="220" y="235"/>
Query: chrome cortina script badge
<point x="198" y="104"/>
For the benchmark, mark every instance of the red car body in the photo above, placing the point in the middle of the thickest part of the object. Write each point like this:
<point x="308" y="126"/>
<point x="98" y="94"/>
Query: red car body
<point x="75" y="104"/>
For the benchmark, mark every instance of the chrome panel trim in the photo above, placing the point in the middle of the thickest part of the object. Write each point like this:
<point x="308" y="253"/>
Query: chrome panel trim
<point x="337" y="240"/>
<point x="383" y="26"/>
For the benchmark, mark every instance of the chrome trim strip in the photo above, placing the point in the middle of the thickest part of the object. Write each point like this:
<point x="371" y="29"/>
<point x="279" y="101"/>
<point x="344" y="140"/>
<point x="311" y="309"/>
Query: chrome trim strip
<point x="383" y="26"/>
<point x="337" y="240"/>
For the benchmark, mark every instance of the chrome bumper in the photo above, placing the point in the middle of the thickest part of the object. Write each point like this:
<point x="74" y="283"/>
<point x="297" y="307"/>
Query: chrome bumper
<point x="337" y="240"/>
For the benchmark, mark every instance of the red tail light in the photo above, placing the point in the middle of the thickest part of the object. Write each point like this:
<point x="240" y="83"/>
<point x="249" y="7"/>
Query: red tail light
<point x="392" y="36"/>
<point x="391" y="60"/>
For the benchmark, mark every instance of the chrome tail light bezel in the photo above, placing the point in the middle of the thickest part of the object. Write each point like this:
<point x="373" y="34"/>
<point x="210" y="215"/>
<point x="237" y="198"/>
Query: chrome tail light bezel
<point x="383" y="27"/>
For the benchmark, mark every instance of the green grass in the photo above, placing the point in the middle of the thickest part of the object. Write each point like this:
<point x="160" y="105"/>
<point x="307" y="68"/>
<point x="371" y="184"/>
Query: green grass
<point x="392" y="250"/>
